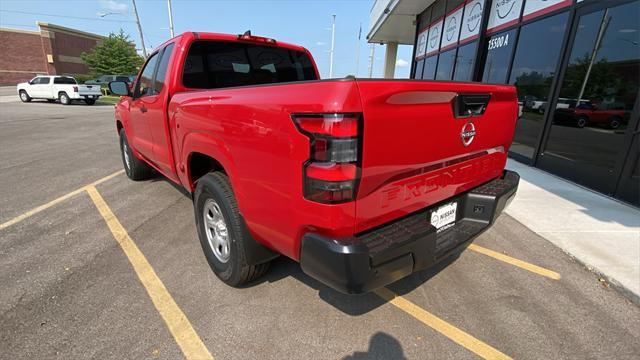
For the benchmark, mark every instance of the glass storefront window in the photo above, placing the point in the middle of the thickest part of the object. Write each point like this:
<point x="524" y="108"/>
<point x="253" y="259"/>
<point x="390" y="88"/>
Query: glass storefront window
<point x="465" y="62"/>
<point x="499" y="50"/>
<point x="429" y="71"/>
<point x="532" y="72"/>
<point x="418" y="72"/>
<point x="445" y="65"/>
<point x="587" y="139"/>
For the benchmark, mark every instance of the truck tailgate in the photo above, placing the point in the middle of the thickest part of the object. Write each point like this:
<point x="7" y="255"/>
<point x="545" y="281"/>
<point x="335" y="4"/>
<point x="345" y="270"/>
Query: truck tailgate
<point x="89" y="90"/>
<point x="416" y="152"/>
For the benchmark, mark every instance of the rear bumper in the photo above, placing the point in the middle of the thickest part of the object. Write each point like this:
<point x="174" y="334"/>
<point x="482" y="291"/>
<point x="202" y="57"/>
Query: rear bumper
<point x="376" y="258"/>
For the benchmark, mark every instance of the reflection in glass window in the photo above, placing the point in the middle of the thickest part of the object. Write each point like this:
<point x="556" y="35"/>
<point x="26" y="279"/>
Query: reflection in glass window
<point x="499" y="49"/>
<point x="162" y="68"/>
<point x="145" y="82"/>
<point x="465" y="61"/>
<point x="418" y="72"/>
<point x="445" y="65"/>
<point x="532" y="72"/>
<point x="429" y="72"/>
<point x="597" y="95"/>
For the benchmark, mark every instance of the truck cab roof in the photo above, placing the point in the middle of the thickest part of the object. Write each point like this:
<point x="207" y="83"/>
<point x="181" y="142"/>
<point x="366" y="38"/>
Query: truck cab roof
<point x="234" y="38"/>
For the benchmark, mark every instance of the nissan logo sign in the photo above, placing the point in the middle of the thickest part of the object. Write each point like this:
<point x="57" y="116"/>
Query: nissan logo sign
<point x="504" y="7"/>
<point x="468" y="133"/>
<point x="475" y="15"/>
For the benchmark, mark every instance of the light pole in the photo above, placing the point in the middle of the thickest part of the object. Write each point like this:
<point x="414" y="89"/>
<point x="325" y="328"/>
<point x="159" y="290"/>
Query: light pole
<point x="371" y="55"/>
<point x="135" y="11"/>
<point x="333" y="43"/>
<point x="358" y="51"/>
<point x="170" y="18"/>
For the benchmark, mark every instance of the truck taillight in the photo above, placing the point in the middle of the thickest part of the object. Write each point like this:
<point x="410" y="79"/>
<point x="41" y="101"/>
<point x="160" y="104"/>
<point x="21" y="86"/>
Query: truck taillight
<point x="332" y="171"/>
<point x="75" y="89"/>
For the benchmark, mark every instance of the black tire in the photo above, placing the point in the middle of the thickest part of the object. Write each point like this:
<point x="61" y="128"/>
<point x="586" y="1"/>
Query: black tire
<point x="215" y="187"/>
<point x="24" y="97"/>
<point x="51" y="100"/>
<point x="64" y="98"/>
<point x="582" y="121"/>
<point x="90" y="101"/>
<point x="615" y="122"/>
<point x="135" y="168"/>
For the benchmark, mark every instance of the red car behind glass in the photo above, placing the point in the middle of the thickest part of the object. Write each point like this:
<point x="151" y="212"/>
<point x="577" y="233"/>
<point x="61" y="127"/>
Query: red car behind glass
<point x="611" y="116"/>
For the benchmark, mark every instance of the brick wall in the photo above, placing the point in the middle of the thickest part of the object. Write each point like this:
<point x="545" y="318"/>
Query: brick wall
<point x="67" y="49"/>
<point x="23" y="54"/>
<point x="21" y="57"/>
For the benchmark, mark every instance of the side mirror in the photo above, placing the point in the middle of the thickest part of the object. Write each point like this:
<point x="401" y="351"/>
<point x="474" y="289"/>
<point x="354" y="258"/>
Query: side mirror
<point x="119" y="88"/>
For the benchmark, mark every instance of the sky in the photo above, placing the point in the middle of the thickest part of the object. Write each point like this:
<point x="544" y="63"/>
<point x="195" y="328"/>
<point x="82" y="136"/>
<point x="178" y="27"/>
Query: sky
<point x="306" y="23"/>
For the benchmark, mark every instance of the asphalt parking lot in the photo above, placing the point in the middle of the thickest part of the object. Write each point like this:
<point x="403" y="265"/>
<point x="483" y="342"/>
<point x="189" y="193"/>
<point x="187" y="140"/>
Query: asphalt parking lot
<point x="76" y="285"/>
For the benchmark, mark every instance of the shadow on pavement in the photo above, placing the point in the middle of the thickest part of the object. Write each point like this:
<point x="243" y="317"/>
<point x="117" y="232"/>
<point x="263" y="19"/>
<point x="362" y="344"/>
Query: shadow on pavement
<point x="74" y="103"/>
<point x="381" y="346"/>
<point x="353" y="305"/>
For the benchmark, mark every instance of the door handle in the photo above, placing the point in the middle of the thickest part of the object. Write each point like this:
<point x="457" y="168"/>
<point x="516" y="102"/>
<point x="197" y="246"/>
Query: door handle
<point x="143" y="109"/>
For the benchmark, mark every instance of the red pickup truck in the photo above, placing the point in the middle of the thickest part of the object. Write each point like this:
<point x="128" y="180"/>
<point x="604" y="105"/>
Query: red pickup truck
<point x="361" y="181"/>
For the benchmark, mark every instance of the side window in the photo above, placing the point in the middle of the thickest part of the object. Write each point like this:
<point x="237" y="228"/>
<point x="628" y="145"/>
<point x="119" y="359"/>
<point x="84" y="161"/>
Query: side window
<point x="144" y="87"/>
<point x="162" y="68"/>
<point x="41" y="81"/>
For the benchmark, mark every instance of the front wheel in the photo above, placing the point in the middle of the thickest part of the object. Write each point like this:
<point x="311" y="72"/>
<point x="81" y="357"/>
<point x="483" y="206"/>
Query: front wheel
<point x="220" y="231"/>
<point x="90" y="101"/>
<point x="615" y="122"/>
<point x="24" y="97"/>
<point x="135" y="168"/>
<point x="64" y="98"/>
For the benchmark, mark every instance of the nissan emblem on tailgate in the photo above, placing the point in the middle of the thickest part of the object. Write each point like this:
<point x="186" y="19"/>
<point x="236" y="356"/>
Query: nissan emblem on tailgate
<point x="468" y="133"/>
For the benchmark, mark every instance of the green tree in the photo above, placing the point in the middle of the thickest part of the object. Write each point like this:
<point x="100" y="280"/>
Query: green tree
<point x="114" y="55"/>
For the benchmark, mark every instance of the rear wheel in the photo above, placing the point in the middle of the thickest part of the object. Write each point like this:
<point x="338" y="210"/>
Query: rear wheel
<point x="64" y="98"/>
<point x="135" y="168"/>
<point x="220" y="231"/>
<point x="582" y="121"/>
<point x="90" y="101"/>
<point x="24" y="97"/>
<point x="615" y="122"/>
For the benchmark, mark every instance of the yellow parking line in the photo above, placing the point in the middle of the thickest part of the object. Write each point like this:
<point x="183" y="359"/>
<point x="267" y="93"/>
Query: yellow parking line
<point x="51" y="203"/>
<point x="178" y="324"/>
<point x="453" y="333"/>
<point x="515" y="262"/>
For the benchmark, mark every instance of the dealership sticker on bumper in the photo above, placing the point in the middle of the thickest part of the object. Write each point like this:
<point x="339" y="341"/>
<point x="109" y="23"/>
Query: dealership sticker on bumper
<point x="444" y="217"/>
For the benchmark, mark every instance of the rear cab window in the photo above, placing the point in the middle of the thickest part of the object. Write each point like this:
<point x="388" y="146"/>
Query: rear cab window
<point x="65" y="80"/>
<point x="220" y="64"/>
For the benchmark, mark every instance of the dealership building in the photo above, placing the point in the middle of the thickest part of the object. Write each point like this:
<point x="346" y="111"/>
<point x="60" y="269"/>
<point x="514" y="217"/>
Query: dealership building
<point x="575" y="64"/>
<point x="50" y="50"/>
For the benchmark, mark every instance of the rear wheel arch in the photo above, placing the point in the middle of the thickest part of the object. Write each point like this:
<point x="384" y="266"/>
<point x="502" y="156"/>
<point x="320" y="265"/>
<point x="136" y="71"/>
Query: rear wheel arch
<point x="200" y="164"/>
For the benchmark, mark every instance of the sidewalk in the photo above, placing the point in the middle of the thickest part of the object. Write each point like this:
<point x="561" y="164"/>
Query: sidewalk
<point x="599" y="232"/>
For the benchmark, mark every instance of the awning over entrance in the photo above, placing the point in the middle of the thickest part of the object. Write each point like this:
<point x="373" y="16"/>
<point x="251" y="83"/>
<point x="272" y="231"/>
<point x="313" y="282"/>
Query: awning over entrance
<point x="394" y="20"/>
